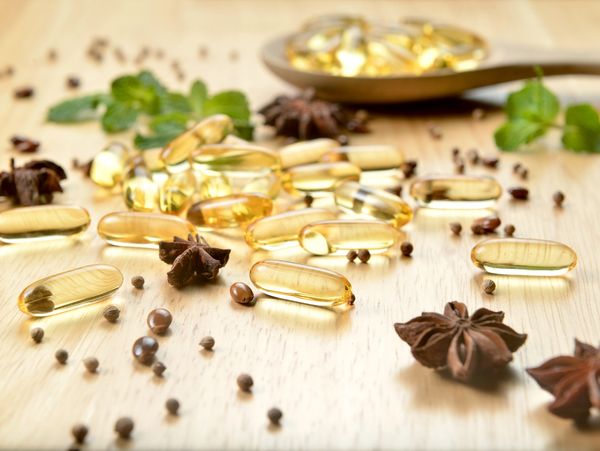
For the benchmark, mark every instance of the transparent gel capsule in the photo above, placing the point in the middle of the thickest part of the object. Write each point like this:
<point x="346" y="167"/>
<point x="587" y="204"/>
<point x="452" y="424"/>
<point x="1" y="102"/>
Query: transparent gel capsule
<point x="379" y="204"/>
<point x="69" y="290"/>
<point x="44" y="222"/>
<point x="133" y="229"/>
<point x="268" y="184"/>
<point x="456" y="192"/>
<point x="342" y="235"/>
<point x="280" y="231"/>
<point x="302" y="283"/>
<point x="139" y="190"/>
<point x="242" y="158"/>
<point x="229" y="211"/>
<point x="305" y="152"/>
<point x="525" y="257"/>
<point x="176" y="193"/>
<point x="108" y="166"/>
<point x="318" y="177"/>
<point x="368" y="158"/>
<point x="155" y="165"/>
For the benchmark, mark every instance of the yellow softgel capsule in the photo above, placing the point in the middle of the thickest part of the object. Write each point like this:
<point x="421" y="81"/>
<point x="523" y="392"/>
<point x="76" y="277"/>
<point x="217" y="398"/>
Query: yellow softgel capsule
<point x="108" y="166"/>
<point x="280" y="231"/>
<point x="523" y="257"/>
<point x="44" y="222"/>
<point x="210" y="186"/>
<point x="305" y="152"/>
<point x="229" y="211"/>
<point x="235" y="157"/>
<point x="302" y="283"/>
<point x="456" y="191"/>
<point x="134" y="229"/>
<point x="379" y="204"/>
<point x="69" y="290"/>
<point x="176" y="192"/>
<point x="368" y="158"/>
<point x="342" y="235"/>
<point x="139" y="190"/>
<point x="318" y="177"/>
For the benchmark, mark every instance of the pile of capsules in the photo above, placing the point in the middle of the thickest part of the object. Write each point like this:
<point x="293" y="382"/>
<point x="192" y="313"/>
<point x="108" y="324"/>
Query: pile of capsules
<point x="217" y="181"/>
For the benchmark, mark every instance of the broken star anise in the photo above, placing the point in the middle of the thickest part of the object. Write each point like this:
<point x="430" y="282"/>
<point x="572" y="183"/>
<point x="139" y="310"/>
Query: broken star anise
<point x="466" y="345"/>
<point x="573" y="380"/>
<point x="32" y="184"/>
<point x="305" y="117"/>
<point x="193" y="260"/>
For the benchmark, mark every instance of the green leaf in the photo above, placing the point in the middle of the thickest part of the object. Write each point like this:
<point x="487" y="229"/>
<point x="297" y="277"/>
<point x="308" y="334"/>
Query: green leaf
<point x="147" y="78"/>
<point x="197" y="97"/>
<point x="169" y="121"/>
<point x="231" y="103"/>
<point x="118" y="117"/>
<point x="514" y="134"/>
<point x="77" y="110"/>
<point x="151" y="141"/>
<point x="244" y="129"/>
<point x="582" y="129"/>
<point x="132" y="91"/>
<point x="174" y="102"/>
<point x="534" y="102"/>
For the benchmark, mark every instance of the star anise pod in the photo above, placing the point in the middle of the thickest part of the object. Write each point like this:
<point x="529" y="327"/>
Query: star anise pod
<point x="305" y="117"/>
<point x="573" y="380"/>
<point x="193" y="260"/>
<point x="32" y="184"/>
<point x="466" y="345"/>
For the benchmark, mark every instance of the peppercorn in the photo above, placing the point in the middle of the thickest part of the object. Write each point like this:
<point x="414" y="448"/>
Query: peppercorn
<point x="490" y="162"/>
<point x="245" y="382"/>
<point x="207" y="343"/>
<point x="61" y="356"/>
<point x="488" y="286"/>
<point x="124" y="427"/>
<point x="172" y="406"/>
<point x="459" y="166"/>
<point x="558" y="198"/>
<point x="137" y="282"/>
<point x="364" y="255"/>
<point x="144" y="349"/>
<point x="159" y="320"/>
<point x="477" y="229"/>
<point x="509" y="230"/>
<point x="409" y="168"/>
<point x="455" y="152"/>
<point x="523" y="173"/>
<point x="456" y="228"/>
<point x="73" y="82"/>
<point x="24" y="92"/>
<point x="519" y="193"/>
<point x="241" y="293"/>
<point x="159" y="368"/>
<point x="308" y="200"/>
<point x="91" y="364"/>
<point x="351" y="255"/>
<point x="274" y="415"/>
<point x="435" y="131"/>
<point x="517" y="167"/>
<point x="37" y="333"/>
<point x="473" y="156"/>
<point x="111" y="313"/>
<point x="406" y="248"/>
<point x="79" y="432"/>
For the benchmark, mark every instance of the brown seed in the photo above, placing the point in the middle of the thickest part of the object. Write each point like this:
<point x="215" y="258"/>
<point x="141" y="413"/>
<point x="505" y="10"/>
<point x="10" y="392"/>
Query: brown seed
<point x="24" y="144"/>
<point x="435" y="131"/>
<point x="558" y="198"/>
<point x="490" y="162"/>
<point x="488" y="286"/>
<point x="274" y="415"/>
<point x="144" y="349"/>
<point x="159" y="320"/>
<point x="91" y="364"/>
<point x="245" y="382"/>
<point x="478" y="114"/>
<point x="79" y="432"/>
<point x="52" y="55"/>
<point x="517" y="167"/>
<point x="488" y="224"/>
<point x="477" y="229"/>
<point x="456" y="228"/>
<point x="124" y="427"/>
<point x="111" y="313"/>
<point x="73" y="82"/>
<point x="208" y="343"/>
<point x="460" y="167"/>
<point x="241" y="293"/>
<point x="308" y="200"/>
<point x="61" y="356"/>
<point x="364" y="255"/>
<point x="137" y="282"/>
<point x="509" y="230"/>
<point x="519" y="193"/>
<point x="352" y="299"/>
<point x="172" y="406"/>
<point x="406" y="248"/>
<point x="37" y="333"/>
<point x="455" y="152"/>
<point x="473" y="156"/>
<point x="524" y="173"/>
<point x="24" y="92"/>
<point x="351" y="255"/>
<point x="409" y="168"/>
<point x="159" y="368"/>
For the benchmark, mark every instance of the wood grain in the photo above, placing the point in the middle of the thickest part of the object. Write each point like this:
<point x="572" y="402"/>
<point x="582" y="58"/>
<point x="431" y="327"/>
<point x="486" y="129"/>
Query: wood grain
<point x="342" y="381"/>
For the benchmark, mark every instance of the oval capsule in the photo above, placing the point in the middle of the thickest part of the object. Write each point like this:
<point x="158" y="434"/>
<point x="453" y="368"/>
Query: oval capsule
<point x="229" y="211"/>
<point x="43" y="222"/>
<point x="456" y="191"/>
<point x="139" y="190"/>
<point x="279" y="231"/>
<point x="134" y="229"/>
<point x="176" y="193"/>
<point x="524" y="257"/>
<point x="368" y="158"/>
<point x="243" y="158"/>
<point x="69" y="290"/>
<point x="342" y="235"/>
<point x="379" y="204"/>
<point x="305" y="152"/>
<point x="302" y="283"/>
<point x="108" y="166"/>
<point x="319" y="177"/>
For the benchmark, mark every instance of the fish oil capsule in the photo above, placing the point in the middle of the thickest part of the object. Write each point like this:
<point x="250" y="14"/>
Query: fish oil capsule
<point x="139" y="190"/>
<point x="176" y="193"/>
<point x="155" y="165"/>
<point x="69" y="290"/>
<point x="524" y="257"/>
<point x="279" y="231"/>
<point x="342" y="235"/>
<point x="229" y="211"/>
<point x="268" y="184"/>
<point x="239" y="158"/>
<point x="318" y="177"/>
<point x="108" y="166"/>
<point x="210" y="186"/>
<point x="305" y="152"/>
<point x="134" y="229"/>
<point x="456" y="192"/>
<point x="379" y="204"/>
<point x="368" y="158"/>
<point x="302" y="283"/>
<point x="44" y="222"/>
<point x="211" y="130"/>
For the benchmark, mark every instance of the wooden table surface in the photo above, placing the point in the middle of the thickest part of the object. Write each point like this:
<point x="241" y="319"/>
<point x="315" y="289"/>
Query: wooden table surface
<point x="342" y="381"/>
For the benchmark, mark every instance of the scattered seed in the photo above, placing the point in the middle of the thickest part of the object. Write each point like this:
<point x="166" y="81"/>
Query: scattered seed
<point x="79" y="432"/>
<point x="159" y="368"/>
<point x="124" y="427"/>
<point x="490" y="162"/>
<point x="558" y="198"/>
<point x="144" y="349"/>
<point x="91" y="364"/>
<point x="159" y="320"/>
<point x="509" y="230"/>
<point x="24" y="144"/>
<point x="455" y="152"/>
<point x="24" y="92"/>
<point x="61" y="356"/>
<point x="488" y="286"/>
<point x="488" y="224"/>
<point x="456" y="228"/>
<point x="477" y="229"/>
<point x="406" y="248"/>
<point x="138" y="282"/>
<point x="208" y="343"/>
<point x="73" y="82"/>
<point x="111" y="313"/>
<point x="245" y="382"/>
<point x="519" y="193"/>
<point x="435" y="131"/>
<point x="478" y="114"/>
<point x="352" y="299"/>
<point x="308" y="200"/>
<point x="459" y="167"/>
<point x="473" y="156"/>
<point x="274" y="415"/>
<point x="351" y="255"/>
<point x="241" y="293"/>
<point x="37" y="333"/>
<point x="364" y="255"/>
<point x="524" y="173"/>
<point x="409" y="168"/>
<point x="52" y="55"/>
<point x="172" y="406"/>
<point x="517" y="167"/>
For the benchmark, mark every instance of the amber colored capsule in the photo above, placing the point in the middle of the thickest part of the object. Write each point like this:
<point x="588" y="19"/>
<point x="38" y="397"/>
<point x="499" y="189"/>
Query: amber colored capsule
<point x="108" y="166"/>
<point x="524" y="257"/>
<point x="455" y="191"/>
<point x="318" y="177"/>
<point x="139" y="190"/>
<point x="176" y="192"/>
<point x="43" y="222"/>
<point x="134" y="229"/>
<point x="244" y="158"/>
<point x="305" y="152"/>
<point x="279" y="231"/>
<point x="368" y="158"/>
<point x="229" y="211"/>
<point x="302" y="283"/>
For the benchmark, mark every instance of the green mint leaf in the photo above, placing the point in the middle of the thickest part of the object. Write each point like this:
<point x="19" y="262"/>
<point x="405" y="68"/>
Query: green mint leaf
<point x="174" y="102"/>
<point x="197" y="97"/>
<point x="130" y="90"/>
<point x="534" y="102"/>
<point x="582" y="129"/>
<point x="243" y="129"/>
<point x="77" y="110"/>
<point x="232" y="103"/>
<point x="152" y="141"/>
<point x="169" y="123"/>
<point x="514" y="134"/>
<point x="118" y="117"/>
<point x="148" y="79"/>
